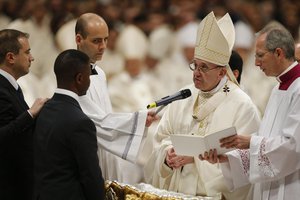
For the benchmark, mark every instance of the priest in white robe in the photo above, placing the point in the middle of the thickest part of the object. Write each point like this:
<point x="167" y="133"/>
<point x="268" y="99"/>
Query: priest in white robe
<point x="119" y="135"/>
<point x="216" y="103"/>
<point x="270" y="159"/>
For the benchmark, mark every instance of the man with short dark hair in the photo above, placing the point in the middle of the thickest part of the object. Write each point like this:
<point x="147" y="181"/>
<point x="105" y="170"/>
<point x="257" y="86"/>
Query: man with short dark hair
<point x="66" y="161"/>
<point x="17" y="119"/>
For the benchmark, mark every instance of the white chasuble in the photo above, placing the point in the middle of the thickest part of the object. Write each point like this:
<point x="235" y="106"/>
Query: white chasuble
<point x="228" y="106"/>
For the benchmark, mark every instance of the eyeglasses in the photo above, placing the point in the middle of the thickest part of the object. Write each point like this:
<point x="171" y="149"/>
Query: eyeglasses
<point x="259" y="56"/>
<point x="202" y="68"/>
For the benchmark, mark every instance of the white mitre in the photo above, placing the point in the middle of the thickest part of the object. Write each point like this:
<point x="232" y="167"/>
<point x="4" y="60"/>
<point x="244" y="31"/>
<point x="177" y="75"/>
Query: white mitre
<point x="161" y="42"/>
<point x="65" y="36"/>
<point x="215" y="40"/>
<point x="132" y="43"/>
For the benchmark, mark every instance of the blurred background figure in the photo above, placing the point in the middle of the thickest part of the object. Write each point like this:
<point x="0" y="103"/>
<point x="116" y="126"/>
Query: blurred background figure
<point x="161" y="44"/>
<point x="244" y="37"/>
<point x="64" y="36"/>
<point x="128" y="90"/>
<point x="297" y="51"/>
<point x="4" y="19"/>
<point x="36" y="22"/>
<point x="132" y="44"/>
<point x="236" y="65"/>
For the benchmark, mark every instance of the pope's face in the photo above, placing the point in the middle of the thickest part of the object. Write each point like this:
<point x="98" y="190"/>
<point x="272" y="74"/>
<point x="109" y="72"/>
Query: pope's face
<point x="206" y="75"/>
<point x="96" y="41"/>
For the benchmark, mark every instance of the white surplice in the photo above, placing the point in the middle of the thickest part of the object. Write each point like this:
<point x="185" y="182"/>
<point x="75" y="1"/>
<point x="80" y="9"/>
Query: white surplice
<point x="228" y="107"/>
<point x="273" y="160"/>
<point x="118" y="134"/>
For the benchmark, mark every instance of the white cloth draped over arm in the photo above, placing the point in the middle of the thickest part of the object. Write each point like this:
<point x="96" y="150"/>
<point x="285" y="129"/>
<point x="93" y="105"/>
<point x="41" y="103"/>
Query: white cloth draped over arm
<point x="118" y="133"/>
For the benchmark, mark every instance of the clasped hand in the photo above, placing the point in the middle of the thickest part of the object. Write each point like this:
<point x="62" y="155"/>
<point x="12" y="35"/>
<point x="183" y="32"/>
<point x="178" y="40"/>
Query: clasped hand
<point x="175" y="161"/>
<point x="213" y="157"/>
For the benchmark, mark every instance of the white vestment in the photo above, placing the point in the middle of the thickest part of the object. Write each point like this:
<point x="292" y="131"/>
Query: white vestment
<point x="4" y="21"/>
<point x="228" y="107"/>
<point x="273" y="160"/>
<point x="118" y="133"/>
<point x="129" y="93"/>
<point x="112" y="63"/>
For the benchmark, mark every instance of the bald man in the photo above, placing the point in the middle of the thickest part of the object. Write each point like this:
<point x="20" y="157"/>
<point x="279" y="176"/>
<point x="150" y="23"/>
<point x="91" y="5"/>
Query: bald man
<point x="118" y="133"/>
<point x="66" y="161"/>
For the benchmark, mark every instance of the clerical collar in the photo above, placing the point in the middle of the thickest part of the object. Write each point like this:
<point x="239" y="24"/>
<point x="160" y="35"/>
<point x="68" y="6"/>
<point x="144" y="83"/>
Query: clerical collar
<point x="286" y="70"/>
<point x="289" y="76"/>
<point x="10" y="78"/>
<point x="93" y="69"/>
<point x="67" y="92"/>
<point x="216" y="89"/>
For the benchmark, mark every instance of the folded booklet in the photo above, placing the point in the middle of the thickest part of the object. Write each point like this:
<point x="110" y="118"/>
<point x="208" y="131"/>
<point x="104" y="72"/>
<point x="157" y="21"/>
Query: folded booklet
<point x="193" y="145"/>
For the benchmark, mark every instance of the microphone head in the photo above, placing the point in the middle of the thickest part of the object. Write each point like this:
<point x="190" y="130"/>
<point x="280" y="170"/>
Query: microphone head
<point x="185" y="93"/>
<point x="182" y="94"/>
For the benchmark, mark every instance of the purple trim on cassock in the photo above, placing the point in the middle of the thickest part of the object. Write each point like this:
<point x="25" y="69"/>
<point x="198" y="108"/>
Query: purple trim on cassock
<point x="288" y="78"/>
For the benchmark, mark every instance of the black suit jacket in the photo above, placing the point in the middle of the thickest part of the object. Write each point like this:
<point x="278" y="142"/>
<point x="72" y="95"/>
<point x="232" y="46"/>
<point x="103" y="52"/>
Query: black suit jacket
<point x="16" y="150"/>
<point x="66" y="161"/>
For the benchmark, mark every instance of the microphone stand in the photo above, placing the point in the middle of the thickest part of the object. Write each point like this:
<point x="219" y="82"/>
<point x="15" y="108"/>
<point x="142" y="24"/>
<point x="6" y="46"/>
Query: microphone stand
<point x="159" y="109"/>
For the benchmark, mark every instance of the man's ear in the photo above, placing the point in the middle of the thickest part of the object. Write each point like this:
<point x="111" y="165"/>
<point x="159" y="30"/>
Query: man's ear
<point x="236" y="73"/>
<point x="78" y="78"/>
<point x="278" y="52"/>
<point x="223" y="72"/>
<point x="10" y="57"/>
<point x="78" y="39"/>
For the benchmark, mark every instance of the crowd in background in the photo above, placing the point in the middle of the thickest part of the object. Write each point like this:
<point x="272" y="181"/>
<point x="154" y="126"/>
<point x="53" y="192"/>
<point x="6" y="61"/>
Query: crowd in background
<point x="150" y="45"/>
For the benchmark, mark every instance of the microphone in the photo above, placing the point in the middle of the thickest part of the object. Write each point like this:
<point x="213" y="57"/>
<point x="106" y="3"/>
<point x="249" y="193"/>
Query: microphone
<point x="182" y="94"/>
